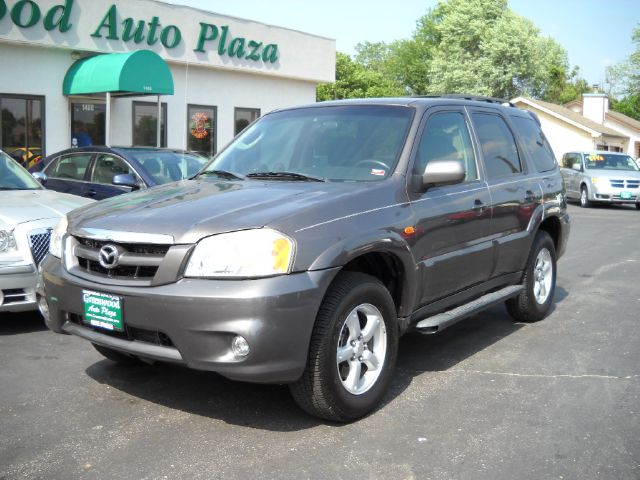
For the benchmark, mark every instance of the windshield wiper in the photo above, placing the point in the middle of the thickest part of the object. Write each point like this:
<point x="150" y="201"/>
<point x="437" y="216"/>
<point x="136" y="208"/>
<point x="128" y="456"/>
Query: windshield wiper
<point x="286" y="176"/>
<point x="221" y="173"/>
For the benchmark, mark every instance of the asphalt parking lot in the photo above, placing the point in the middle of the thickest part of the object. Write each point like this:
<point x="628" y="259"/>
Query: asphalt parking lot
<point x="486" y="399"/>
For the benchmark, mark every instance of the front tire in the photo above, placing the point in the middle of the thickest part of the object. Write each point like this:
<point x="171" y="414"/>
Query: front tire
<point x="352" y="352"/>
<point x="539" y="282"/>
<point x="584" y="198"/>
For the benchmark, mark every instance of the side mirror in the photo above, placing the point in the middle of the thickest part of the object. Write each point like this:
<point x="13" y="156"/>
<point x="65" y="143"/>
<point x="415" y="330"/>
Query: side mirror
<point x="40" y="177"/>
<point x="577" y="166"/>
<point x="446" y="172"/>
<point x="125" y="180"/>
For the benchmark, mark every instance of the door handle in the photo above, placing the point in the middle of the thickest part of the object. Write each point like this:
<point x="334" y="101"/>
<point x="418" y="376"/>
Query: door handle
<point x="479" y="206"/>
<point x="91" y="193"/>
<point x="530" y="196"/>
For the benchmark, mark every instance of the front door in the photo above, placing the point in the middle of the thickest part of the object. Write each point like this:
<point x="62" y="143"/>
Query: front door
<point x="452" y="248"/>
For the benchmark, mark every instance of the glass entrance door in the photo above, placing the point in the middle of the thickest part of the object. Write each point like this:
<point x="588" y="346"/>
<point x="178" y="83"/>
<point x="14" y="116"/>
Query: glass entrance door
<point x="21" y="128"/>
<point x="87" y="124"/>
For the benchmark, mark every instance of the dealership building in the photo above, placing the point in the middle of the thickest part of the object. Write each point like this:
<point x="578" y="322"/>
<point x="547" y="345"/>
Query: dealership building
<point x="80" y="72"/>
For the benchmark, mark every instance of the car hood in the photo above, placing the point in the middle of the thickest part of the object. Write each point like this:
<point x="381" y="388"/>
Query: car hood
<point x="193" y="209"/>
<point x="614" y="174"/>
<point x="20" y="206"/>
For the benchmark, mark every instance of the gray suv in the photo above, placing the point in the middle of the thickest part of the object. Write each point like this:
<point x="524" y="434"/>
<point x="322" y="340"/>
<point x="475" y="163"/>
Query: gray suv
<point x="306" y="248"/>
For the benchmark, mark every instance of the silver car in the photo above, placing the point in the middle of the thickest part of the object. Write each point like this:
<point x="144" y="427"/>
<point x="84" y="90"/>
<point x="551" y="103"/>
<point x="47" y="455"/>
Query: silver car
<point x="607" y="177"/>
<point x="28" y="213"/>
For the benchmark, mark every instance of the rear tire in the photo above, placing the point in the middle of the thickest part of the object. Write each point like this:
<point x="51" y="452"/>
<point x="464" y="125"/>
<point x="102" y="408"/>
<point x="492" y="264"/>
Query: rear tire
<point x="637" y="206"/>
<point x="584" y="198"/>
<point x="539" y="282"/>
<point x="352" y="352"/>
<point x="116" y="356"/>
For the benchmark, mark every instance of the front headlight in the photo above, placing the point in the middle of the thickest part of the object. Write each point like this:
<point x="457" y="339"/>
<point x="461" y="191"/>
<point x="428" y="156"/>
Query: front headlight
<point x="594" y="180"/>
<point x="7" y="242"/>
<point x="57" y="235"/>
<point x="247" y="253"/>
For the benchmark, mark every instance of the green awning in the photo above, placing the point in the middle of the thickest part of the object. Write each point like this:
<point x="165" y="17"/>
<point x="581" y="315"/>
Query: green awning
<point x="142" y="72"/>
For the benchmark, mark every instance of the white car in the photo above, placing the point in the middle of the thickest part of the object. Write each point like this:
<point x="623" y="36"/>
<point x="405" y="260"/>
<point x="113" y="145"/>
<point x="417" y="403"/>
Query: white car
<point x="28" y="213"/>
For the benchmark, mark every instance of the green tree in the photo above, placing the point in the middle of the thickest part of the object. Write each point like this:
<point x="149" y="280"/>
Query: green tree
<point x="483" y="47"/>
<point x="354" y="80"/>
<point x="624" y="81"/>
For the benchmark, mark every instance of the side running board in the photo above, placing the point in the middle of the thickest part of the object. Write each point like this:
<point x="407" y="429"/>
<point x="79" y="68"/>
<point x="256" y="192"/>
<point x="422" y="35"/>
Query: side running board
<point x="443" y="320"/>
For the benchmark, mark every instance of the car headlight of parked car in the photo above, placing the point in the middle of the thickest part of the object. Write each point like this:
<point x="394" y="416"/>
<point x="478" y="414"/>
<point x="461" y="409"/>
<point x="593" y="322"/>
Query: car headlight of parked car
<point x="247" y="253"/>
<point x="7" y="242"/>
<point x="595" y="180"/>
<point x="55" y="245"/>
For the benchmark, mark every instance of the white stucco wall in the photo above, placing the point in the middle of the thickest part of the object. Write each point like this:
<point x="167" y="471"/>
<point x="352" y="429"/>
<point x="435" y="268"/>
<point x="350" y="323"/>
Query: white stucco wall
<point x="634" y="135"/>
<point x="299" y="55"/>
<point x="40" y="71"/>
<point x="34" y="61"/>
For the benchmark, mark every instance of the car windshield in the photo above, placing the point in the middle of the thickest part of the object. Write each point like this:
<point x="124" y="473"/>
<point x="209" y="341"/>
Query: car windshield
<point x="606" y="161"/>
<point x="334" y="143"/>
<point x="165" y="166"/>
<point x="14" y="177"/>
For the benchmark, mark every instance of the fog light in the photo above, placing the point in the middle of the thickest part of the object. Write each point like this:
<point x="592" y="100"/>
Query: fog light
<point x="240" y="346"/>
<point x="43" y="306"/>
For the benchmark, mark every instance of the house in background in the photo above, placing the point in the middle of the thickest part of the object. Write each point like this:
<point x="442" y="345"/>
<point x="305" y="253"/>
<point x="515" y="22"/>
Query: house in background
<point x="584" y="125"/>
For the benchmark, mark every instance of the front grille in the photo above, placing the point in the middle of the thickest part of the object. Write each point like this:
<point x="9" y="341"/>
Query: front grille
<point x="39" y="243"/>
<point x="14" y="295"/>
<point x="136" y="261"/>
<point x="625" y="183"/>
<point x="122" y="271"/>
<point x="142" y="248"/>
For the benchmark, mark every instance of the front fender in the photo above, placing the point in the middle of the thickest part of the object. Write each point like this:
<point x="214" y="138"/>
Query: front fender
<point x="344" y="251"/>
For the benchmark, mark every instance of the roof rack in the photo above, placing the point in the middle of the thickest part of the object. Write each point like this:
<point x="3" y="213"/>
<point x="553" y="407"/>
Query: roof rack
<point x="479" y="98"/>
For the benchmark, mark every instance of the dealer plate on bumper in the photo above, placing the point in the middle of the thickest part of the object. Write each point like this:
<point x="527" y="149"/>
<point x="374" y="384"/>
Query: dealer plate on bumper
<point x="103" y="310"/>
<point x="625" y="195"/>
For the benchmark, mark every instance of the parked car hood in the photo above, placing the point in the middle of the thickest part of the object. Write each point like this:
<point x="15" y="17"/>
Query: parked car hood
<point x="19" y="206"/>
<point x="193" y="209"/>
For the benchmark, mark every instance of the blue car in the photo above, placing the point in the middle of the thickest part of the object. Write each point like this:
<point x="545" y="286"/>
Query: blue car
<point x="103" y="172"/>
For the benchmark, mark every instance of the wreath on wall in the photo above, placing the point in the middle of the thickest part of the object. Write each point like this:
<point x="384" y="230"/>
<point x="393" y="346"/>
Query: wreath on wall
<point x="200" y="125"/>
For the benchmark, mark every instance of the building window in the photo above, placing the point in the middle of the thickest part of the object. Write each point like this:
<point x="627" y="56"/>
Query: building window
<point x="22" y="127"/>
<point x="145" y="122"/>
<point x="201" y="131"/>
<point x="243" y="117"/>
<point x="87" y="124"/>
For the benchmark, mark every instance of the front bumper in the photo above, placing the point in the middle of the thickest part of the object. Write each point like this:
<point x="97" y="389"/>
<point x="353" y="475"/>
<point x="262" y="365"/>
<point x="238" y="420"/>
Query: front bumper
<point x="608" y="194"/>
<point x="17" y="288"/>
<point x="193" y="321"/>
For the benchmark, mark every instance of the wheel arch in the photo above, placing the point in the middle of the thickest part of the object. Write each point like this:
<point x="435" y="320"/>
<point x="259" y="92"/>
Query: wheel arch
<point x="388" y="259"/>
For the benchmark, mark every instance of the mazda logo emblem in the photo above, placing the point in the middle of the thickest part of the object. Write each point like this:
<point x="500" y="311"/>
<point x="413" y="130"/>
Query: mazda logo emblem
<point x="109" y="256"/>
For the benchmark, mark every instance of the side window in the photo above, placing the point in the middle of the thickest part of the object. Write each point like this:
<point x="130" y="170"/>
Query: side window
<point x="498" y="146"/>
<point x="69" y="167"/>
<point x="535" y="143"/>
<point x="107" y="166"/>
<point x="446" y="137"/>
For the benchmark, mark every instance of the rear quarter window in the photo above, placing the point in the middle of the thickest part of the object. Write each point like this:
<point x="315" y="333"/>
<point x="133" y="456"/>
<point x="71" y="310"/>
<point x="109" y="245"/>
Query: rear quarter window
<point x="534" y="143"/>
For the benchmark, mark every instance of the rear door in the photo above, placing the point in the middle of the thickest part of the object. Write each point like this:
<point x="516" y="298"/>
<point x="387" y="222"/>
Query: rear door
<point x="452" y="245"/>
<point x="67" y="173"/>
<point x="514" y="189"/>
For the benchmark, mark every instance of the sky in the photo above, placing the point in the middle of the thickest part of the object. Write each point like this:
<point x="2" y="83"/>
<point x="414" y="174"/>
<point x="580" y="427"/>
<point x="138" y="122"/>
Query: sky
<point x="595" y="33"/>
